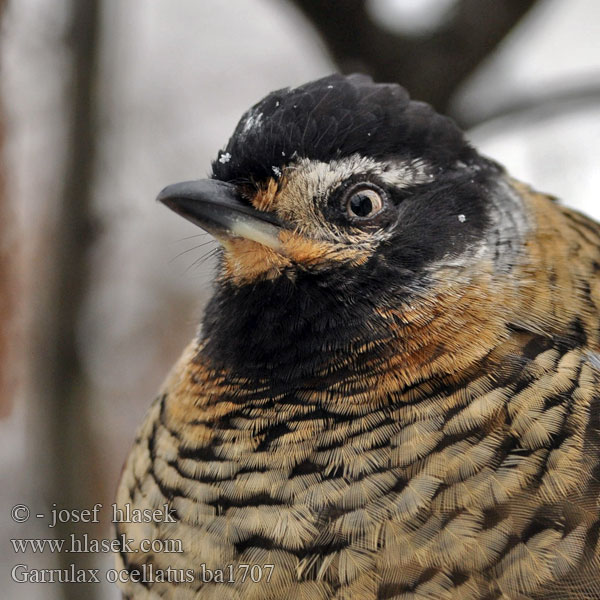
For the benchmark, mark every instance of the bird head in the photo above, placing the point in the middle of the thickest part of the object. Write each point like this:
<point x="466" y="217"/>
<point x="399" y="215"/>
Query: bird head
<point x="345" y="194"/>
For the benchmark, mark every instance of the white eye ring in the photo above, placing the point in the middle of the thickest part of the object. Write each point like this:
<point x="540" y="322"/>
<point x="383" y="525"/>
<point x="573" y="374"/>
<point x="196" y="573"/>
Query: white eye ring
<point x="363" y="202"/>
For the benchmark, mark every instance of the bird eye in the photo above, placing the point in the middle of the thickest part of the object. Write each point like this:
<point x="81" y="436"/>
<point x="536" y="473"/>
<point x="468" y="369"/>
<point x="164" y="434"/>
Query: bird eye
<point x="364" y="203"/>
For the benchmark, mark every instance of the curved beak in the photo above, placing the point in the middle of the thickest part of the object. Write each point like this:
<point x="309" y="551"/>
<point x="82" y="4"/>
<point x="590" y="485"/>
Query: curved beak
<point x="216" y="207"/>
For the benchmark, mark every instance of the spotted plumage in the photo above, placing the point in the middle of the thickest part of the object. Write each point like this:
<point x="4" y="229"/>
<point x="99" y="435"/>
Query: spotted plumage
<point x="395" y="391"/>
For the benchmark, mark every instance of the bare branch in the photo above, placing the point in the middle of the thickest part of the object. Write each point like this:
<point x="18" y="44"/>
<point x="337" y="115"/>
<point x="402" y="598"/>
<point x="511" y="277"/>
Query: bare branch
<point x="430" y="67"/>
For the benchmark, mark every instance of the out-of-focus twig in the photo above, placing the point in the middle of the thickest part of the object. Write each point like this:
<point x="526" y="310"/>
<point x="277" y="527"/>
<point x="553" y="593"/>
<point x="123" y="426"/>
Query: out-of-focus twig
<point x="430" y="66"/>
<point x="553" y="101"/>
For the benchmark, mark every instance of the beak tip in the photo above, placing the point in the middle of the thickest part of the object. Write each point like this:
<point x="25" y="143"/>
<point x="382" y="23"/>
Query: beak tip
<point x="165" y="196"/>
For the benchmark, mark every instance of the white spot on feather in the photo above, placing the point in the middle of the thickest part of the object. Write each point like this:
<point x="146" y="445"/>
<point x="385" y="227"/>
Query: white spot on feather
<point x="224" y="158"/>
<point x="462" y="218"/>
<point x="594" y="359"/>
<point x="253" y="122"/>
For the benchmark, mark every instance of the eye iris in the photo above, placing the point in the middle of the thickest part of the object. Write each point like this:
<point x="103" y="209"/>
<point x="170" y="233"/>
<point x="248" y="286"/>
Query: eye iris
<point x="361" y="205"/>
<point x="364" y="203"/>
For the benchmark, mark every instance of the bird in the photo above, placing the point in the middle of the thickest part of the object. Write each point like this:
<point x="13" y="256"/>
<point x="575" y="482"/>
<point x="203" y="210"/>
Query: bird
<point x="394" y="393"/>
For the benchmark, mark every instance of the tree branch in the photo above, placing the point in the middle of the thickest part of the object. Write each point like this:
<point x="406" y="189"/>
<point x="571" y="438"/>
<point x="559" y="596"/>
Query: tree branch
<point x="431" y="67"/>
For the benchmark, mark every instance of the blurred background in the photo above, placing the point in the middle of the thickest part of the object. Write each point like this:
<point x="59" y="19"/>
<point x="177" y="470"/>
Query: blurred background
<point x="104" y="102"/>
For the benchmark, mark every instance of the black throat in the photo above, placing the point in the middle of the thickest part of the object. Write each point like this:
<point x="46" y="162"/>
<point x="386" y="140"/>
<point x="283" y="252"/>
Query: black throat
<point x="291" y="331"/>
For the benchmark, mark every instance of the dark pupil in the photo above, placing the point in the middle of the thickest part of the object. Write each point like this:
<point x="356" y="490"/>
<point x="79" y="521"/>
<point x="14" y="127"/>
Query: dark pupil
<point x="361" y="205"/>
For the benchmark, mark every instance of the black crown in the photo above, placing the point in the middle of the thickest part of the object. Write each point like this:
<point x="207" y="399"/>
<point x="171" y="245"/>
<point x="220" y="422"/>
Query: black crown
<point x="334" y="117"/>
